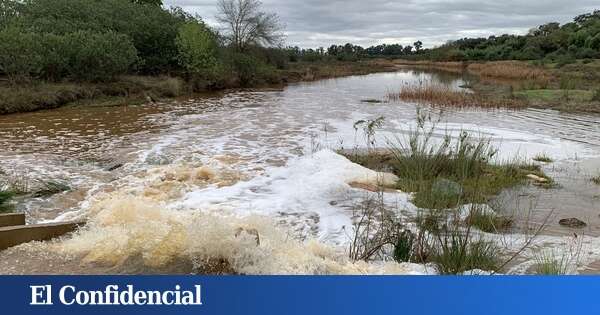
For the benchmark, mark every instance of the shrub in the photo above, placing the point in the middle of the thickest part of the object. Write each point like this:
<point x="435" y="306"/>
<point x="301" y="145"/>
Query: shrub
<point x="251" y="70"/>
<point x="198" y="48"/>
<point x="151" y="28"/>
<point x="98" y="56"/>
<point x="20" y="53"/>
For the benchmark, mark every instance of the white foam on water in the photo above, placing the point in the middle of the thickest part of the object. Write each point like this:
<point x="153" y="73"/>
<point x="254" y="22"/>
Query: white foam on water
<point x="165" y="212"/>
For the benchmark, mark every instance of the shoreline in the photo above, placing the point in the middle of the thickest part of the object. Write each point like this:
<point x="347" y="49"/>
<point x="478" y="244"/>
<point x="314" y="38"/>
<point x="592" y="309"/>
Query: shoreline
<point x="134" y="90"/>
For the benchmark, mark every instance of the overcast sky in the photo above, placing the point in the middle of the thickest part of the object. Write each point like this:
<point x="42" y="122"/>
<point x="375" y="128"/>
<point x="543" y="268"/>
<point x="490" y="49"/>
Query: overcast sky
<point x="314" y="23"/>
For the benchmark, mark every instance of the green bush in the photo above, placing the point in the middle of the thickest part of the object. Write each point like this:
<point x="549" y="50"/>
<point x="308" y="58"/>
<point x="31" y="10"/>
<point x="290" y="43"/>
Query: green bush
<point x="20" y="53"/>
<point x="198" y="49"/>
<point x="250" y="70"/>
<point x="151" y="28"/>
<point x="98" y="56"/>
<point x="82" y="55"/>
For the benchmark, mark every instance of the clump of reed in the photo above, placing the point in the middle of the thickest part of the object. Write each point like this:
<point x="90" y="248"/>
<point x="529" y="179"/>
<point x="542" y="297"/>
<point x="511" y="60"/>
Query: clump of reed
<point x="448" y="66"/>
<point x="515" y="70"/>
<point x="542" y="157"/>
<point x="549" y="265"/>
<point x="445" y="96"/>
<point x="444" y="172"/>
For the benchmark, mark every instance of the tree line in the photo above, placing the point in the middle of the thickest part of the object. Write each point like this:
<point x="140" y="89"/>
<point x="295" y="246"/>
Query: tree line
<point x="550" y="42"/>
<point x="351" y="52"/>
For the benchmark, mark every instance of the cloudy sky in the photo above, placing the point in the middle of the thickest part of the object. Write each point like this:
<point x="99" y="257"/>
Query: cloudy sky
<point x="314" y="23"/>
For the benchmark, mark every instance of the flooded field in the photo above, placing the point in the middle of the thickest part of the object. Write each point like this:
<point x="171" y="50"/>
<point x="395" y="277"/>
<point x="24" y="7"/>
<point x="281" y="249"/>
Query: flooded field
<point x="160" y="183"/>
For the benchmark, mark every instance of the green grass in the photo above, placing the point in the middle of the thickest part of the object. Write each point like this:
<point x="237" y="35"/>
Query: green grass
<point x="489" y="222"/>
<point x="543" y="158"/>
<point x="420" y="163"/>
<point x="548" y="264"/>
<point x="554" y="96"/>
<point x="457" y="253"/>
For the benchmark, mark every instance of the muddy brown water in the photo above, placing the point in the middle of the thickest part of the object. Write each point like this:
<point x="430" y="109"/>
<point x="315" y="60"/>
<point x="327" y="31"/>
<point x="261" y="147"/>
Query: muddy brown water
<point x="254" y="130"/>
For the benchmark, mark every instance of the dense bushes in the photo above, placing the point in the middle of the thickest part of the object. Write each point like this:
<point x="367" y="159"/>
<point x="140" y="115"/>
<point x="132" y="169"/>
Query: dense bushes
<point x="82" y="55"/>
<point x="90" y="40"/>
<point x="198" y="48"/>
<point x="20" y="53"/>
<point x="97" y="56"/>
<point x="152" y="29"/>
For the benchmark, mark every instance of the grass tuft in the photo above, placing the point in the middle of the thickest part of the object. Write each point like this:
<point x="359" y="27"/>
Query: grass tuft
<point x="458" y="253"/>
<point x="548" y="264"/>
<point x="489" y="222"/>
<point x="543" y="158"/>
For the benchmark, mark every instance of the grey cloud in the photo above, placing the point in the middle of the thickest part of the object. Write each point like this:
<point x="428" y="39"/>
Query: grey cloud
<point x="314" y="23"/>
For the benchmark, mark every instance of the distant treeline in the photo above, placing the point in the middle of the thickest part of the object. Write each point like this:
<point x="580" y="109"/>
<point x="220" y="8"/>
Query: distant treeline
<point x="350" y="52"/>
<point x="550" y="42"/>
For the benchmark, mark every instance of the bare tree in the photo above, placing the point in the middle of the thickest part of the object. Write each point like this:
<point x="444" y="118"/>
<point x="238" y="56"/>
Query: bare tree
<point x="246" y="24"/>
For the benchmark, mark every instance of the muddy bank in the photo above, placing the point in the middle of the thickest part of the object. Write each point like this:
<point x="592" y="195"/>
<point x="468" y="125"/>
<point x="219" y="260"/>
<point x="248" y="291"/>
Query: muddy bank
<point x="132" y="90"/>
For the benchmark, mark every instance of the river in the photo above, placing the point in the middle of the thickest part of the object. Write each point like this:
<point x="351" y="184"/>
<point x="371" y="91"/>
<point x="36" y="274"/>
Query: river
<point x="162" y="179"/>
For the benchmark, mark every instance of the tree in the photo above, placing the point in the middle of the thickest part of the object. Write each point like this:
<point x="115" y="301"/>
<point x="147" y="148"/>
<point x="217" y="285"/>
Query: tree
<point x="198" y="47"/>
<point x="418" y="45"/>
<point x="246" y="24"/>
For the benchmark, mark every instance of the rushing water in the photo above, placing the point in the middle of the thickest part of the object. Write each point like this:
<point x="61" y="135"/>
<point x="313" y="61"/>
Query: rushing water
<point x="262" y="154"/>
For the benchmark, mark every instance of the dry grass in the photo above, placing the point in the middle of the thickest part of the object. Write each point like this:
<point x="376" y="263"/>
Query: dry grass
<point x="45" y="95"/>
<point x="441" y="95"/>
<point x="448" y="66"/>
<point x="511" y="70"/>
<point x="515" y="70"/>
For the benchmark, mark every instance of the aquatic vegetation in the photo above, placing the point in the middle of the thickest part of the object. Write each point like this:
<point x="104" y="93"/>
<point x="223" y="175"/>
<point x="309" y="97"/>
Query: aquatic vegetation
<point x="459" y="253"/>
<point x="543" y="158"/>
<point x="548" y="264"/>
<point x="422" y="162"/>
<point x="511" y="70"/>
<point x="489" y="222"/>
<point x="453" y="245"/>
<point x="444" y="96"/>
<point x="371" y="100"/>
<point x="5" y="197"/>
<point x="50" y="188"/>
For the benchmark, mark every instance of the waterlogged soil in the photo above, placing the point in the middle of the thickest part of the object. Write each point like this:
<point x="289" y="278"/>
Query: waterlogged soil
<point x="267" y="153"/>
